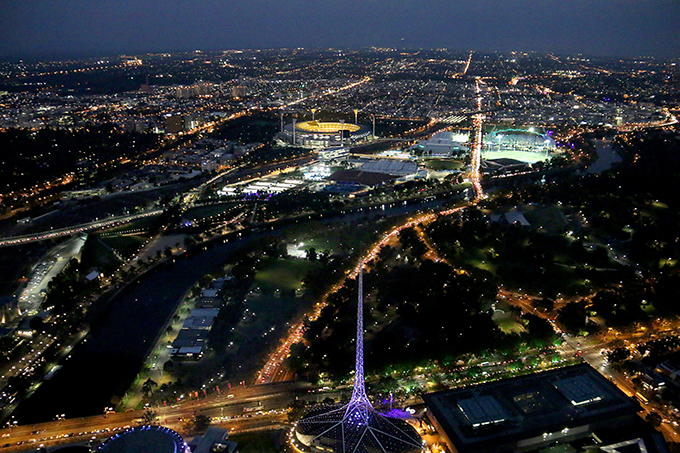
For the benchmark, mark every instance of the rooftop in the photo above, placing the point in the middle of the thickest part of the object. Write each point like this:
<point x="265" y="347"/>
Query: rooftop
<point x="542" y="404"/>
<point x="149" y="439"/>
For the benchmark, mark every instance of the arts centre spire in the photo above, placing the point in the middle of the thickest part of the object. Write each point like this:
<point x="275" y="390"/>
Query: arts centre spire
<point x="355" y="427"/>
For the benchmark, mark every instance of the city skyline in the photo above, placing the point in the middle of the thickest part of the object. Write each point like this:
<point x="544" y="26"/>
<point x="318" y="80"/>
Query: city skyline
<point x="618" y="28"/>
<point x="182" y="236"/>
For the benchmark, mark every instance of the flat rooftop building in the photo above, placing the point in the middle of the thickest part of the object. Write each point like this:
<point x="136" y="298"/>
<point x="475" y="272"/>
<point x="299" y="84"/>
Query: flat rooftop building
<point x="573" y="406"/>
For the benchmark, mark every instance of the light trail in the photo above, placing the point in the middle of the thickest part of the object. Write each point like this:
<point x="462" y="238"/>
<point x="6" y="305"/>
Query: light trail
<point x="272" y="367"/>
<point x="68" y="231"/>
<point x="477" y="144"/>
<point x="467" y="64"/>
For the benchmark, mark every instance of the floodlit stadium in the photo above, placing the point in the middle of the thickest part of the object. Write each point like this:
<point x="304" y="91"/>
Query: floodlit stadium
<point x="326" y="127"/>
<point x="324" y="134"/>
<point x="522" y="145"/>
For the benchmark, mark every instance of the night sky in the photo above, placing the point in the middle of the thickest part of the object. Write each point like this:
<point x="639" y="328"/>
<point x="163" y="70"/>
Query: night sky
<point x="35" y="28"/>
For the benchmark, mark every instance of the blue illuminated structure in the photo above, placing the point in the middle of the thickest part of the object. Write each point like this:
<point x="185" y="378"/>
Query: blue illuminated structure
<point x="355" y="427"/>
<point x="359" y="407"/>
<point x="146" y="438"/>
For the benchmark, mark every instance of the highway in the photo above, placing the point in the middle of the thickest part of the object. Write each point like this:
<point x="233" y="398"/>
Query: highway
<point x="225" y="408"/>
<point x="68" y="231"/>
<point x="273" y="369"/>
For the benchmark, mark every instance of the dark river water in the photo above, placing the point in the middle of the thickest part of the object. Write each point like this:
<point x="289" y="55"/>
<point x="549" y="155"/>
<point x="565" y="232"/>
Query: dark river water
<point x="606" y="157"/>
<point x="106" y="363"/>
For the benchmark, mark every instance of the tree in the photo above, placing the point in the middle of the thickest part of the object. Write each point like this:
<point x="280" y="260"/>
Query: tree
<point x="149" y="417"/>
<point x="654" y="419"/>
<point x="148" y="387"/>
<point x="546" y="304"/>
<point x="618" y="355"/>
<point x="296" y="410"/>
<point x="411" y="241"/>
<point x="201" y="422"/>
<point x="37" y="324"/>
<point x="573" y="317"/>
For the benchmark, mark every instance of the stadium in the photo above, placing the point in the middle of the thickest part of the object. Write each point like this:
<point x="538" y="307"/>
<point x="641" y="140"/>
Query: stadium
<point x="323" y="134"/>
<point x="525" y="146"/>
<point x="148" y="438"/>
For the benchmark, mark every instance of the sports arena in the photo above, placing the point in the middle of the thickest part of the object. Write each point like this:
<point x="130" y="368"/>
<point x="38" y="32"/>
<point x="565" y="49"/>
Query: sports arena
<point x="324" y="134"/>
<point x="525" y="146"/>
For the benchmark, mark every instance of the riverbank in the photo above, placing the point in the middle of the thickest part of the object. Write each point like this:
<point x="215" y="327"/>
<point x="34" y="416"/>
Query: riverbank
<point x="101" y="368"/>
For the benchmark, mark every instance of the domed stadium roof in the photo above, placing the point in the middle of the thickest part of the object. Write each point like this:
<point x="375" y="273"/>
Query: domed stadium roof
<point x="149" y="439"/>
<point x="326" y="127"/>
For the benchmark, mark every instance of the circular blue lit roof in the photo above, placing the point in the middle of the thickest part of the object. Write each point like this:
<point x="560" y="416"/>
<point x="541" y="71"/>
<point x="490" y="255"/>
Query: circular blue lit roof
<point x="149" y="439"/>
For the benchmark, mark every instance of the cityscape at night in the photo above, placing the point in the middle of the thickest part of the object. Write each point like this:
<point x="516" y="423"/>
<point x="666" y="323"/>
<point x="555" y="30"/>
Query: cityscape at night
<point x="390" y="236"/>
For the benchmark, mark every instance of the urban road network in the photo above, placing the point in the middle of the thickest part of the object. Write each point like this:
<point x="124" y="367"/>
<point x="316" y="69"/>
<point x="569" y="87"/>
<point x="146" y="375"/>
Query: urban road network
<point x="270" y="397"/>
<point x="262" y="406"/>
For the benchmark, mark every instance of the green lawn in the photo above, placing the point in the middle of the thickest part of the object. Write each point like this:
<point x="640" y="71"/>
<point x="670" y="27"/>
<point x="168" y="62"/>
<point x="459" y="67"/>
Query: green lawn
<point x="207" y="211"/>
<point x="97" y="255"/>
<point x="443" y="164"/>
<point x="506" y="320"/>
<point x="336" y="237"/>
<point x="126" y="245"/>
<point x="283" y="274"/>
<point x="258" y="442"/>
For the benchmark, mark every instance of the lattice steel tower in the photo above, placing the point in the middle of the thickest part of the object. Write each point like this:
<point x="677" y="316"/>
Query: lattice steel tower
<point x="355" y="427"/>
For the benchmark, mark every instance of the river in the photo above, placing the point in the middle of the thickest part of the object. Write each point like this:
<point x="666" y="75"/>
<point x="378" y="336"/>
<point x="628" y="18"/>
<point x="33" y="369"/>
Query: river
<point x="107" y="361"/>
<point x="606" y="157"/>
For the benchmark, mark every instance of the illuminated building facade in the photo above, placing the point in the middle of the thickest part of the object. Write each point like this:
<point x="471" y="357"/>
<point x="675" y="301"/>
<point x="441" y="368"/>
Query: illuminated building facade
<point x="318" y="134"/>
<point x="147" y="438"/>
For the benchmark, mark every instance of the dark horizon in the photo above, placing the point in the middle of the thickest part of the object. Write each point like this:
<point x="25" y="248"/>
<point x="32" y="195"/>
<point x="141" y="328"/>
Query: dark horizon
<point x="616" y="28"/>
<point x="83" y="56"/>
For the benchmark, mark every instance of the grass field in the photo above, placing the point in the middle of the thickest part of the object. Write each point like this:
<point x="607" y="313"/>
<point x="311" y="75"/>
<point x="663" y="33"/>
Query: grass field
<point x="336" y="238"/>
<point x="207" y="211"/>
<point x="96" y="255"/>
<point x="258" y="442"/>
<point x="283" y="274"/>
<point x="506" y="320"/>
<point x="526" y="157"/>
<point x="443" y="164"/>
<point x="125" y="245"/>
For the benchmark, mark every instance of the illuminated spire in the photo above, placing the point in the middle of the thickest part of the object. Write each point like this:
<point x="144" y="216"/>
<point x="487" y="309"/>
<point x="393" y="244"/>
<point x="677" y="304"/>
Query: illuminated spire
<point x="359" y="406"/>
<point x="355" y="427"/>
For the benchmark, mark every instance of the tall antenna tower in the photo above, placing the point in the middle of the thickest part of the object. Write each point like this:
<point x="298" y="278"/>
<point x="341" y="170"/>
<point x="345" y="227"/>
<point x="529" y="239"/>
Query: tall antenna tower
<point x="359" y="406"/>
<point x="294" y="121"/>
<point x="355" y="427"/>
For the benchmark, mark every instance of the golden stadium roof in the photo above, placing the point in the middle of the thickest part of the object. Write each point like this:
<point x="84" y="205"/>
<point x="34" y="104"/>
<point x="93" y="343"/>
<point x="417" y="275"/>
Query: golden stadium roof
<point x="326" y="127"/>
